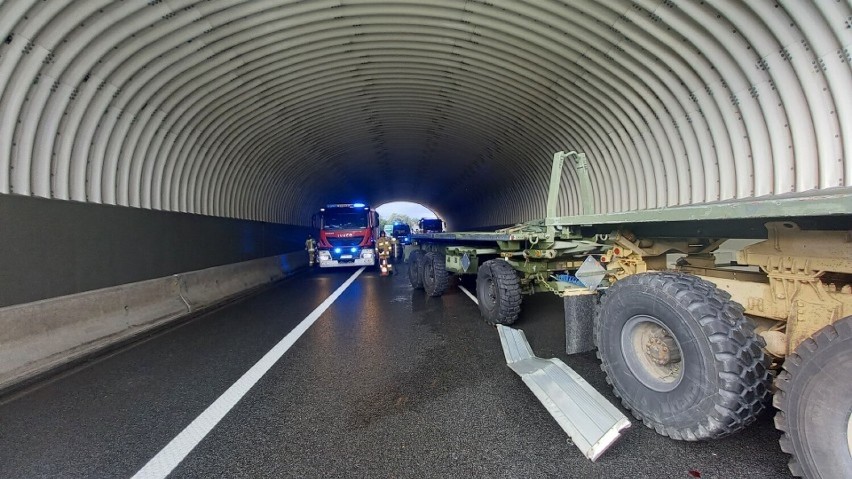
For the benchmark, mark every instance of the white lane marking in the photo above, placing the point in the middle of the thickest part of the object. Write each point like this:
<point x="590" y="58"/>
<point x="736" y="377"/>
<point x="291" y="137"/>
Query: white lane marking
<point x="167" y="459"/>
<point x="469" y="295"/>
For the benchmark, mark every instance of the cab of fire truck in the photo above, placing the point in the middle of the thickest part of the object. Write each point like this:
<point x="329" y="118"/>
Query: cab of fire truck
<point x="347" y="235"/>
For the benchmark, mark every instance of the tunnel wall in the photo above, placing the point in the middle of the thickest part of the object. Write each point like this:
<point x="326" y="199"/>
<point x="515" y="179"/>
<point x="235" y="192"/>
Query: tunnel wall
<point x="54" y="248"/>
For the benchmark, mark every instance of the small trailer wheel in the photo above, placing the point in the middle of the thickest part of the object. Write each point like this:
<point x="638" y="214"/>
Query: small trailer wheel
<point x="415" y="268"/>
<point x="498" y="291"/>
<point x="681" y="355"/>
<point x="435" y="278"/>
<point x="814" y="402"/>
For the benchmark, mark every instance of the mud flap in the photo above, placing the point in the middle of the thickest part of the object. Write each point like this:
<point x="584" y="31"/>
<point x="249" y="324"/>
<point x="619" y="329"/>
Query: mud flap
<point x="579" y="323"/>
<point x="592" y="423"/>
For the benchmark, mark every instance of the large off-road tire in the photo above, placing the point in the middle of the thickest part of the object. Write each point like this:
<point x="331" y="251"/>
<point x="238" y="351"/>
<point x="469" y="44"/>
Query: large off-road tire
<point x="814" y="400"/>
<point x="415" y="268"/>
<point x="681" y="355"/>
<point x="435" y="277"/>
<point x="498" y="291"/>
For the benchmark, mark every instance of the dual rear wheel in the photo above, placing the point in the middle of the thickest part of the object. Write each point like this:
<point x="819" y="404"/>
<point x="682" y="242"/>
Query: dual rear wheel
<point x="427" y="271"/>
<point x="498" y="289"/>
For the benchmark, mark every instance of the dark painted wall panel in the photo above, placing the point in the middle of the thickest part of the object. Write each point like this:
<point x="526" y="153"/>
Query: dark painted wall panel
<point x="52" y="248"/>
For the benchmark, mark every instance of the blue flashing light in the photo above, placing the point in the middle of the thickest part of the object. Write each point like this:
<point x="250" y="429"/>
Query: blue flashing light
<point x="337" y="250"/>
<point x="354" y="249"/>
<point x="359" y="205"/>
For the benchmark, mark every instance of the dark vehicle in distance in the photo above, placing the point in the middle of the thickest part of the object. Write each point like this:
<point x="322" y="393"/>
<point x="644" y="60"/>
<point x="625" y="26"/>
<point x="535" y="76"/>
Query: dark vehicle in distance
<point x="402" y="233"/>
<point x="431" y="225"/>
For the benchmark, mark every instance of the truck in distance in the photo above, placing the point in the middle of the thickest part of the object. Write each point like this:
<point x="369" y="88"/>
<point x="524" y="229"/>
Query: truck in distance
<point x="431" y="225"/>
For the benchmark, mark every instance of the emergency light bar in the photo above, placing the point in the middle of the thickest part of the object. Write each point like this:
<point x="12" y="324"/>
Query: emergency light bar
<point x="346" y="205"/>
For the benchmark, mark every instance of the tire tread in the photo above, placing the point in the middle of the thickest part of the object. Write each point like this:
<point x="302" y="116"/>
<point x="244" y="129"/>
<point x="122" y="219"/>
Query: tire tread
<point x="506" y="279"/>
<point x="415" y="268"/>
<point x="439" y="267"/>
<point x="787" y="385"/>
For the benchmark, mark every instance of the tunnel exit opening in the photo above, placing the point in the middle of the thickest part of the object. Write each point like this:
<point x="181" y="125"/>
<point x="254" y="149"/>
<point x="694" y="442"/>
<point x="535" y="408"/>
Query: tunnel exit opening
<point x="415" y="215"/>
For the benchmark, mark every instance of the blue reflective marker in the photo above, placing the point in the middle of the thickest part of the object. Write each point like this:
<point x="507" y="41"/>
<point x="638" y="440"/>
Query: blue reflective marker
<point x="337" y="250"/>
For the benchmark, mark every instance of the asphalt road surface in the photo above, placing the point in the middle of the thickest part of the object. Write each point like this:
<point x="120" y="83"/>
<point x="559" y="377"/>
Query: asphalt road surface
<point x="385" y="383"/>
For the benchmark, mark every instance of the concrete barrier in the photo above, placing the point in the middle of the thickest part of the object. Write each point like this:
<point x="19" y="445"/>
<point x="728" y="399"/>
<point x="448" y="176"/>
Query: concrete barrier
<point x="37" y="337"/>
<point x="209" y="286"/>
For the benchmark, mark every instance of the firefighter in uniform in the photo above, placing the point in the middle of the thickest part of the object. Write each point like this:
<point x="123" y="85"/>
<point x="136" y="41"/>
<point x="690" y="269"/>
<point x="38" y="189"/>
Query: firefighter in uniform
<point x="311" y="248"/>
<point x="385" y="247"/>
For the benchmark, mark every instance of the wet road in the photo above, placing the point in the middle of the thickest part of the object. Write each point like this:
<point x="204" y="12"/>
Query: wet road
<point x="386" y="383"/>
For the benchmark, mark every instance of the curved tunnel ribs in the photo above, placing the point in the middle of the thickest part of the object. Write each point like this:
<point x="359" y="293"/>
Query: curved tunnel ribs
<point x="260" y="110"/>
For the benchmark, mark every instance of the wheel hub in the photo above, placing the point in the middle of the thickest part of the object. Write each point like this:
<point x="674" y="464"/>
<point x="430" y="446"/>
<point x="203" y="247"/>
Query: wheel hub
<point x="661" y="348"/>
<point x="652" y="353"/>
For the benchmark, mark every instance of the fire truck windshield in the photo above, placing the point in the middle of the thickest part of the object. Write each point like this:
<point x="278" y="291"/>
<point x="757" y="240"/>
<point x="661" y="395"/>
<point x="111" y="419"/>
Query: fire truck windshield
<point x="345" y="220"/>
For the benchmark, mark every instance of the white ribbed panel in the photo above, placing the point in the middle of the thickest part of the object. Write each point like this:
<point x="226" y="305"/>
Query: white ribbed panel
<point x="267" y="109"/>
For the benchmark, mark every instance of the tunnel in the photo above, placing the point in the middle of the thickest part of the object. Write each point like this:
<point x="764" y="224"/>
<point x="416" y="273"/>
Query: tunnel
<point x="144" y="141"/>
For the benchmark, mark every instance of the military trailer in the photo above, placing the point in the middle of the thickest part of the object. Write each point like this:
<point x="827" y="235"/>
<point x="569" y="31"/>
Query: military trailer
<point x="694" y="344"/>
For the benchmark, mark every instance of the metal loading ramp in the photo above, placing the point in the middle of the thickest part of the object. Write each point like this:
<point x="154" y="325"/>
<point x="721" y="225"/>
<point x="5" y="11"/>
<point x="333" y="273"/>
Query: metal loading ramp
<point x="589" y="419"/>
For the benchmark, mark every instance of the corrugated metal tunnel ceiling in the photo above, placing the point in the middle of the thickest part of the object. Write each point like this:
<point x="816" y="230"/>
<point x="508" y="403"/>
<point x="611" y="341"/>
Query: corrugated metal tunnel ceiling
<point x="267" y="109"/>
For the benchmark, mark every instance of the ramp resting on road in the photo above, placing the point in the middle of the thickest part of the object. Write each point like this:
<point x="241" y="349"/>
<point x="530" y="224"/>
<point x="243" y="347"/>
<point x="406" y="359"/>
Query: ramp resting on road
<point x="589" y="419"/>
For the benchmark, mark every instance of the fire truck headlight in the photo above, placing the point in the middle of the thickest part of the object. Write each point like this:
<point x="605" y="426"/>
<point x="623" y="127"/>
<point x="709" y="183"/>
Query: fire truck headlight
<point x="367" y="254"/>
<point x="324" y="256"/>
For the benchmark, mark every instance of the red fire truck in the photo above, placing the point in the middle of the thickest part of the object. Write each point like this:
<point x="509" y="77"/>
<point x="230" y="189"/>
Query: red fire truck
<point x="347" y="235"/>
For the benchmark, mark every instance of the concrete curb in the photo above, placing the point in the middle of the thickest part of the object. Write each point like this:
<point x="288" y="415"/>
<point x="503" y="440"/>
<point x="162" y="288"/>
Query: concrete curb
<point x="39" y="336"/>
